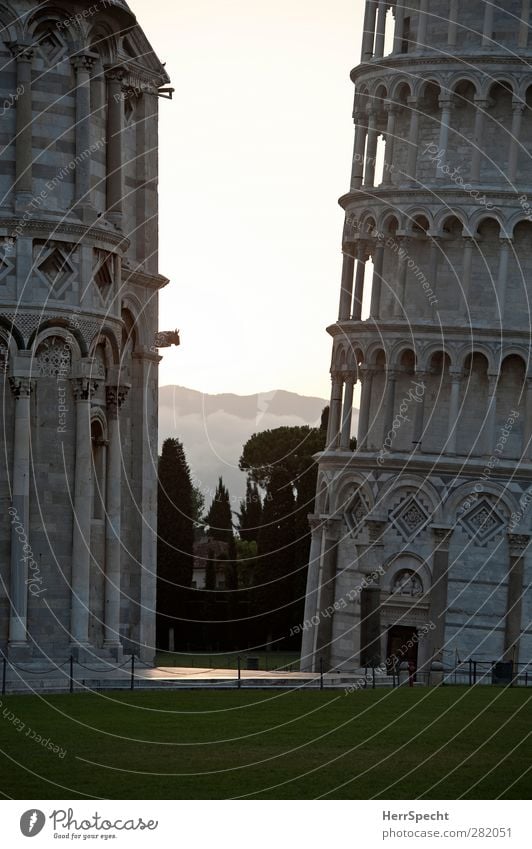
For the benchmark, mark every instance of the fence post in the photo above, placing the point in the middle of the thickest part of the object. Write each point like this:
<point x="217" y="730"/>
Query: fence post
<point x="239" y="684"/>
<point x="321" y="673"/>
<point x="4" y="676"/>
<point x="71" y="674"/>
<point x="132" y="671"/>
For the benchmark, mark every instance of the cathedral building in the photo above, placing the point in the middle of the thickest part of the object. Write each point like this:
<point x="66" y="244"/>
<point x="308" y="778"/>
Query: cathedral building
<point x="420" y="536"/>
<point x="79" y="283"/>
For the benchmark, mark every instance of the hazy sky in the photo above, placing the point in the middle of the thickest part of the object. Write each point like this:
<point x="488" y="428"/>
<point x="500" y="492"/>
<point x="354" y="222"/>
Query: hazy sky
<point x="255" y="149"/>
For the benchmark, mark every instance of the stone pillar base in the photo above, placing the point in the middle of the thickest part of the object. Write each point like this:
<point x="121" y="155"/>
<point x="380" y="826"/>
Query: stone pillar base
<point x="116" y="650"/>
<point x="83" y="653"/>
<point x="19" y="653"/>
<point x="116" y="219"/>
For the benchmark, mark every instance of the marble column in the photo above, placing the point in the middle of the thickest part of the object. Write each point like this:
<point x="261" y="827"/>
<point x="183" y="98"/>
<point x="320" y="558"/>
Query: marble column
<point x="491" y="416"/>
<point x="381" y="29"/>
<point x="399" y="32"/>
<point x="358" y="296"/>
<point x="438" y="590"/>
<point x="478" y="138"/>
<point x="368" y="37"/>
<point x="19" y="647"/>
<point x="347" y="414"/>
<point x="346" y="291"/>
<point x="116" y="396"/>
<point x="526" y="448"/>
<point x="446" y="105"/>
<point x="83" y="66"/>
<point x="361" y="134"/>
<point x="467" y="265"/>
<point x="434" y="256"/>
<point x="402" y="271"/>
<point x="524" y="26"/>
<point x="308" y="639"/>
<point x="366" y="376"/>
<point x="453" y="18"/>
<point x="370" y="604"/>
<point x="518" y="544"/>
<point x="515" y="140"/>
<point x="83" y="389"/>
<point x="389" y="402"/>
<point x="371" y="149"/>
<point x="502" y="274"/>
<point x="487" y="34"/>
<point x="454" y="406"/>
<point x="376" y="288"/>
<point x="146" y="364"/>
<point x="326" y="592"/>
<point x="23" y="53"/>
<point x="419" y="412"/>
<point x="422" y="26"/>
<point x="335" y="411"/>
<point x="392" y="110"/>
<point x="115" y="172"/>
<point x="413" y="139"/>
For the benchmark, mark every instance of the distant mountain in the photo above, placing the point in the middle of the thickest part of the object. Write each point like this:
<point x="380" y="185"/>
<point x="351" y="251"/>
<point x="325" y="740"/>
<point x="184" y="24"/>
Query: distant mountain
<point x="213" y="428"/>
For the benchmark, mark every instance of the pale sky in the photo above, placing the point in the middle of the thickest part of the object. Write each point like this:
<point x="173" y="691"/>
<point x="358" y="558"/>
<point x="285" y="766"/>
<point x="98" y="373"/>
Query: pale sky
<point x="255" y="150"/>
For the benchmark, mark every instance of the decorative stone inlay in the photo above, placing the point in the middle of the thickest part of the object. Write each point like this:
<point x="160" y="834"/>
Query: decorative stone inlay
<point x="483" y="522"/>
<point x="103" y="273"/>
<point x="50" y="47"/>
<point x="54" y="266"/>
<point x="54" y="358"/>
<point x="409" y="517"/>
<point x="356" y="512"/>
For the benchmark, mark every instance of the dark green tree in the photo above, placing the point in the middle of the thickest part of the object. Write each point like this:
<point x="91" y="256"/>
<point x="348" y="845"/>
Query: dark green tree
<point x="250" y="516"/>
<point x="175" y="537"/>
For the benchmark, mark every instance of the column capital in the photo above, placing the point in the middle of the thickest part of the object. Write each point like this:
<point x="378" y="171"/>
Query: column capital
<point x="518" y="544"/>
<point x="456" y="374"/>
<point x="392" y="108"/>
<point x="482" y="102"/>
<point x="332" y="525"/>
<point x="446" y="103"/>
<point x="22" y="51"/>
<point x="21" y="387"/>
<point x="518" y="106"/>
<point x="392" y="373"/>
<point x="114" y="73"/>
<point x="84" y="62"/>
<point x="83" y="388"/>
<point x="442" y="535"/>
<point x="115" y="397"/>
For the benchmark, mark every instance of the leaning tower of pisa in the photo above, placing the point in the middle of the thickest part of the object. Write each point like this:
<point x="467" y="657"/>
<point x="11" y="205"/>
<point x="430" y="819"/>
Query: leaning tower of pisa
<point x="79" y="282"/>
<point x="420" y="535"/>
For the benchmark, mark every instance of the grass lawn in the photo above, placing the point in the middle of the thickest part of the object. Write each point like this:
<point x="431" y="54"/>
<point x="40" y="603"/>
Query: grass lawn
<point x="268" y="660"/>
<point x="443" y="743"/>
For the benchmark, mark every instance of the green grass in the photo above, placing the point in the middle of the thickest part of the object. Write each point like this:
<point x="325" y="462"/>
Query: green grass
<point x="288" y="661"/>
<point x="400" y="744"/>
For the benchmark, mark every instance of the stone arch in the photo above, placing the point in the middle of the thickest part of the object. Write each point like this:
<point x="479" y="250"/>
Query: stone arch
<point x="108" y="337"/>
<point x="62" y="328"/>
<point x="374" y="352"/>
<point x="446" y="223"/>
<point x="16" y="340"/>
<point x="420" y="485"/>
<point x="389" y="222"/>
<point x="460" y="80"/>
<point x="414" y="213"/>
<point x="63" y="23"/>
<point x="352" y="485"/>
<point x="400" y="562"/>
<point x="366" y="223"/>
<point x="398" y="350"/>
<point x="466" y="492"/>
<point x="102" y="39"/>
<point x="481" y="216"/>
<point x="398" y="89"/>
<point x="11" y="24"/>
<point x="132" y="305"/>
